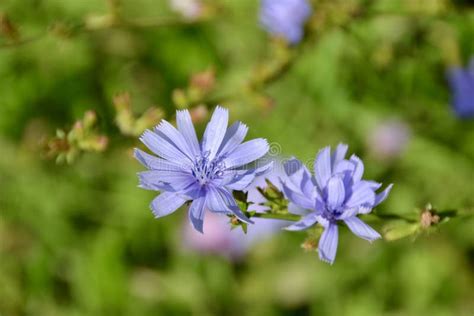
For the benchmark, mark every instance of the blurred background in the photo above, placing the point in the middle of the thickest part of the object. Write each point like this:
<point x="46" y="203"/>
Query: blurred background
<point x="80" y="80"/>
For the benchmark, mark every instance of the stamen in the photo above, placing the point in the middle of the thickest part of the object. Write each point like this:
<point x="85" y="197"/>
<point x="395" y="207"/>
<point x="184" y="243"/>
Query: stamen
<point x="205" y="171"/>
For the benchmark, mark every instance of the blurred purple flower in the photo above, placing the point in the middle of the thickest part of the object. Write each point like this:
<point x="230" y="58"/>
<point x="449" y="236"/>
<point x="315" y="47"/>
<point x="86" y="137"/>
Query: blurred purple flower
<point x="462" y="86"/>
<point x="219" y="239"/>
<point x="190" y="9"/>
<point x="285" y="18"/>
<point x="336" y="193"/>
<point x="205" y="173"/>
<point x="388" y="139"/>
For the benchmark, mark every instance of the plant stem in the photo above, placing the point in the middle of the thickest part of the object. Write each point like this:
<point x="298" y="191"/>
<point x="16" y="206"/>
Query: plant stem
<point x="283" y="217"/>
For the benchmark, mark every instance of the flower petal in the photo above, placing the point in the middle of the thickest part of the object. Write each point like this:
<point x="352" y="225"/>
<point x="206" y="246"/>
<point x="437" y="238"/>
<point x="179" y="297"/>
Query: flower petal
<point x="163" y="148"/>
<point x="322" y="167"/>
<point x="336" y="193"/>
<point x="379" y="198"/>
<point x="265" y="168"/>
<point x="344" y="166"/>
<point x="196" y="213"/>
<point x="215" y="132"/>
<point x="299" y="175"/>
<point x="297" y="210"/>
<point x="241" y="181"/>
<point x="176" y="180"/>
<point x="222" y="201"/>
<point x="166" y="203"/>
<point x="306" y="222"/>
<point x="361" y="229"/>
<point x="297" y="198"/>
<point x="327" y="247"/>
<point x="350" y="212"/>
<point x="338" y="155"/>
<point x="362" y="195"/>
<point x="233" y="137"/>
<point x="246" y="153"/>
<point x="155" y="163"/>
<point x="173" y="136"/>
<point x="358" y="169"/>
<point x="215" y="202"/>
<point x="186" y="128"/>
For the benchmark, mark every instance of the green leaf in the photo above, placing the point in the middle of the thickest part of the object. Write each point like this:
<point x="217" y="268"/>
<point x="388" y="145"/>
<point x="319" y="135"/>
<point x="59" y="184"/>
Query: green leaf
<point x="399" y="229"/>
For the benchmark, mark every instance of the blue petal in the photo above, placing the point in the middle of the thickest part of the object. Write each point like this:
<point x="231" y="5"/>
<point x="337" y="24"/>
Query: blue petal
<point x="186" y="128"/>
<point x="322" y="167"/>
<point x="323" y="221"/>
<point x="266" y="168"/>
<point x="163" y="148"/>
<point x="233" y="137"/>
<point x="237" y="179"/>
<point x="344" y="166"/>
<point x="336" y="193"/>
<point x="350" y="212"/>
<point x="374" y="185"/>
<point x="176" y="180"/>
<point x="327" y="247"/>
<point x="173" y="136"/>
<point x="215" y="202"/>
<point x="298" y="198"/>
<point x="285" y="18"/>
<point x="222" y="201"/>
<point x="297" y="210"/>
<point x="358" y="169"/>
<point x="149" y="181"/>
<point x="215" y="132"/>
<point x="383" y="195"/>
<point x="196" y="213"/>
<point x="299" y="176"/>
<point x="361" y="229"/>
<point x="246" y="153"/>
<point x="306" y="222"/>
<point x="241" y="181"/>
<point x="166" y="203"/>
<point x="155" y="163"/>
<point x="462" y="86"/>
<point x="338" y="155"/>
<point x="362" y="195"/>
<point x="155" y="186"/>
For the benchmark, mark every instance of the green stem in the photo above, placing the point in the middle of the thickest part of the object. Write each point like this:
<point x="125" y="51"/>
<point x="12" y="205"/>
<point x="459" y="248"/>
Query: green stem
<point x="283" y="217"/>
<point x="293" y="217"/>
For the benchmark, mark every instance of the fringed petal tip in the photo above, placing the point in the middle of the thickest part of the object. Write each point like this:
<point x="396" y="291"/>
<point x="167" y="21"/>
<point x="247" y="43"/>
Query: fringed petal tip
<point x="323" y="259"/>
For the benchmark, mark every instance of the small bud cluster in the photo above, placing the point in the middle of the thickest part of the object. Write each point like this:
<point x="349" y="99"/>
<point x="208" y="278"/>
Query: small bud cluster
<point x="83" y="137"/>
<point x="126" y="121"/>
<point x="199" y="87"/>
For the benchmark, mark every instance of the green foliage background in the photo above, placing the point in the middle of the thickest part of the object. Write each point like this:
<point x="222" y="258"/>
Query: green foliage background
<point x="80" y="240"/>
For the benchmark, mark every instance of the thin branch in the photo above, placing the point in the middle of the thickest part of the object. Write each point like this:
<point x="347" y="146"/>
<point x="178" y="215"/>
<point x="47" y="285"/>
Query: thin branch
<point x="112" y="23"/>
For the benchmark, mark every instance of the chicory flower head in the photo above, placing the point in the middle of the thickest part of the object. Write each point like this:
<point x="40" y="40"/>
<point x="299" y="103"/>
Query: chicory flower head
<point x="203" y="172"/>
<point x="335" y="193"/>
<point x="462" y="86"/>
<point x="285" y="18"/>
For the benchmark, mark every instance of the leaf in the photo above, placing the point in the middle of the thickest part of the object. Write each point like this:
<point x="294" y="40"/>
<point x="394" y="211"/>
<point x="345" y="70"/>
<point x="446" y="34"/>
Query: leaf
<point x="399" y="229"/>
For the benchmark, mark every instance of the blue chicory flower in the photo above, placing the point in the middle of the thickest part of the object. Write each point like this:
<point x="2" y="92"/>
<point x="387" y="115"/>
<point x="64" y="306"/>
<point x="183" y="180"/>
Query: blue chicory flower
<point x="462" y="86"/>
<point x="336" y="193"/>
<point x="203" y="172"/>
<point x="285" y="18"/>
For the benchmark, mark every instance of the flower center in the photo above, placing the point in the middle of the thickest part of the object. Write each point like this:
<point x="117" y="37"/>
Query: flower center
<point x="330" y="214"/>
<point x="205" y="170"/>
